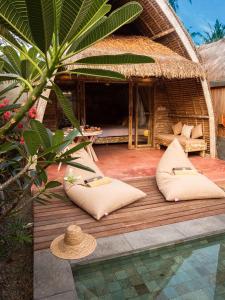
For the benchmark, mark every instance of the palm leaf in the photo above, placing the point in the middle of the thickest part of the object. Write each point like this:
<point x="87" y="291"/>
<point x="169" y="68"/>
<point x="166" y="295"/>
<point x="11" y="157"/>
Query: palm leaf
<point x="57" y="137"/>
<point x="125" y="58"/>
<point x="66" y="106"/>
<point x="10" y="39"/>
<point x="8" y="77"/>
<point x="13" y="15"/>
<point x="9" y="107"/>
<point x="41" y="132"/>
<point x="32" y="141"/>
<point x="26" y="68"/>
<point x="98" y="73"/>
<point x="76" y="14"/>
<point x="92" y="17"/>
<point x="8" y="88"/>
<point x="13" y="58"/>
<point x="41" y="20"/>
<point x="80" y="166"/>
<point x="118" y="18"/>
<point x="57" y="4"/>
<point x="6" y="65"/>
<point x="75" y="149"/>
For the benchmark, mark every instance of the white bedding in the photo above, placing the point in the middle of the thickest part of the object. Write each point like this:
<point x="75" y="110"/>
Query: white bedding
<point x="114" y="130"/>
<point x="117" y="130"/>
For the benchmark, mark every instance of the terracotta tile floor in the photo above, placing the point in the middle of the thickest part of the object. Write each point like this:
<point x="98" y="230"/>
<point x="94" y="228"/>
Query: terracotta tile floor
<point x="119" y="162"/>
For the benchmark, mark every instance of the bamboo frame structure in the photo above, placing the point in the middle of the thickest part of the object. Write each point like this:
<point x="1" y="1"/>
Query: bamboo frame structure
<point x="181" y="89"/>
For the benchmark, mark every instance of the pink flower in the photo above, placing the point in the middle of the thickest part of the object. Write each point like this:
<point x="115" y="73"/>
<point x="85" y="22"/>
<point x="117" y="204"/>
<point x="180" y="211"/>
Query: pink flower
<point x="32" y="113"/>
<point x="20" y="126"/>
<point x="7" y="115"/>
<point x="22" y="140"/>
<point x="6" y="101"/>
<point x="2" y="105"/>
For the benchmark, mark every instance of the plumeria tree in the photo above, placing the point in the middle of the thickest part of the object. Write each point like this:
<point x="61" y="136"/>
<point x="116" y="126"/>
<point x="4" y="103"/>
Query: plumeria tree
<point x="38" y="38"/>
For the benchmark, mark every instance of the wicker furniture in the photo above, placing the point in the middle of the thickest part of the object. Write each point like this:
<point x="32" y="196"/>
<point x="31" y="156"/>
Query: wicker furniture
<point x="189" y="145"/>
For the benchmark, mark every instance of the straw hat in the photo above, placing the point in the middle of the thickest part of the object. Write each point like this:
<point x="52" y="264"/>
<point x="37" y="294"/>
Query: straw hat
<point x="74" y="244"/>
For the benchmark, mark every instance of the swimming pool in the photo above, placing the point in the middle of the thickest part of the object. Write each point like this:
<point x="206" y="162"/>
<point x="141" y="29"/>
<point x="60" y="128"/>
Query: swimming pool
<point x="190" y="271"/>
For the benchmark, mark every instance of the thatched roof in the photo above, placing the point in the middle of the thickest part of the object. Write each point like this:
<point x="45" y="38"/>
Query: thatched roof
<point x="213" y="57"/>
<point x="168" y="64"/>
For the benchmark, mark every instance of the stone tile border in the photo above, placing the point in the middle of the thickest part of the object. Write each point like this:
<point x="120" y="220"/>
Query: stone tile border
<point x="53" y="278"/>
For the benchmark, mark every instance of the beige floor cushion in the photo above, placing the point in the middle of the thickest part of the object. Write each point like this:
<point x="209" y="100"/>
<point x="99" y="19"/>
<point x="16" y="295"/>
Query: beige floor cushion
<point x="102" y="200"/>
<point x="183" y="187"/>
<point x="85" y="160"/>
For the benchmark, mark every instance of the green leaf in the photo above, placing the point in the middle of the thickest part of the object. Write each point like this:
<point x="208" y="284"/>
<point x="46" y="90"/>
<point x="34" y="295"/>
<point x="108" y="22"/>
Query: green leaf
<point x="57" y="13"/>
<point x="75" y="149"/>
<point x="41" y="173"/>
<point x="92" y="20"/>
<point x="41" y="20"/>
<point x="8" y="88"/>
<point x="26" y="68"/>
<point x="66" y="106"/>
<point x="53" y="149"/>
<point x="98" y="73"/>
<point x="13" y="15"/>
<point x="10" y="39"/>
<point x="7" y="146"/>
<point x="9" y="107"/>
<point x="76" y="16"/>
<point x="57" y="137"/>
<point x="126" y="58"/>
<point x="13" y="58"/>
<point x="80" y="166"/>
<point x="32" y="141"/>
<point x="121" y="16"/>
<point x="69" y="139"/>
<point x="52" y="184"/>
<point x="8" y="77"/>
<point x="41" y="132"/>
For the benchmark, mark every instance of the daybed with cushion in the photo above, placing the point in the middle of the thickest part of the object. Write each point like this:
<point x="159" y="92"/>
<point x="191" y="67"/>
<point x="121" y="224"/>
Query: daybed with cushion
<point x="190" y="138"/>
<point x="189" y="184"/>
<point x="101" y="200"/>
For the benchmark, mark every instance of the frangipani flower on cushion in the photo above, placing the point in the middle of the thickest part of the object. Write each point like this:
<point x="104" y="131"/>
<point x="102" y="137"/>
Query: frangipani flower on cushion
<point x="72" y="179"/>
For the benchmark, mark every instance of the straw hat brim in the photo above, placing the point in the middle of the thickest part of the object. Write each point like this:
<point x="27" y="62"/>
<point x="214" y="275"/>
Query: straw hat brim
<point x="60" y="249"/>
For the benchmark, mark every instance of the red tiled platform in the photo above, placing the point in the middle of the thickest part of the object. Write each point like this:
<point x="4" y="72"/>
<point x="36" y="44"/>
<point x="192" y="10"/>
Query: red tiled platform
<point x="119" y="162"/>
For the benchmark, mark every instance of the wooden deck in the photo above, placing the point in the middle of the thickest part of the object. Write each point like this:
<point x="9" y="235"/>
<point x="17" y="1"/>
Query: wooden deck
<point x="52" y="219"/>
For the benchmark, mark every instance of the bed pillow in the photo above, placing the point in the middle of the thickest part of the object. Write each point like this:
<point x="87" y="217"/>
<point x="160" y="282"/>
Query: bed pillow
<point x="186" y="131"/>
<point x="183" y="187"/>
<point x="102" y="200"/>
<point x="197" y="132"/>
<point x="177" y="128"/>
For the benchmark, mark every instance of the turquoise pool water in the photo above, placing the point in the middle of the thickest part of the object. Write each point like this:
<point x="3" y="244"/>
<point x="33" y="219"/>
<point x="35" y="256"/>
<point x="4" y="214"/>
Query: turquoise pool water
<point x="189" y="271"/>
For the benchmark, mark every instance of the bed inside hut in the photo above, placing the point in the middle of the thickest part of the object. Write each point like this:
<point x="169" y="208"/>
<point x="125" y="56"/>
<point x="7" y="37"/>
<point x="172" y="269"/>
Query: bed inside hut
<point x="106" y="106"/>
<point x="110" y="107"/>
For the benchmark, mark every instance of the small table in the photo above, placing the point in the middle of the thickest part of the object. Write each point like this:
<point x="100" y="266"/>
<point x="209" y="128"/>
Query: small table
<point x="89" y="136"/>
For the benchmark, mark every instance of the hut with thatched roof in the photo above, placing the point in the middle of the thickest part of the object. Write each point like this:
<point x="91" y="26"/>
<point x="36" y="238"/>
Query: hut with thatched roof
<point x="154" y="96"/>
<point x="213" y="59"/>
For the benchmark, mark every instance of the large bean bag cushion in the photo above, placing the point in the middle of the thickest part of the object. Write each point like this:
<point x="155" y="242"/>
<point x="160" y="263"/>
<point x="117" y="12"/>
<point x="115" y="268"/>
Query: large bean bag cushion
<point x="183" y="187"/>
<point x="101" y="200"/>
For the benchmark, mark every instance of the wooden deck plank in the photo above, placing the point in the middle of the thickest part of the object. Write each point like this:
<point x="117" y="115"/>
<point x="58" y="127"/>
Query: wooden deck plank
<point x="52" y="219"/>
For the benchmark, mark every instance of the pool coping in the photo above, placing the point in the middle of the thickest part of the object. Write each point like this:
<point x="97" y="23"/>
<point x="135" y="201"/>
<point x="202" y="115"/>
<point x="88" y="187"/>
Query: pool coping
<point x="53" y="278"/>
